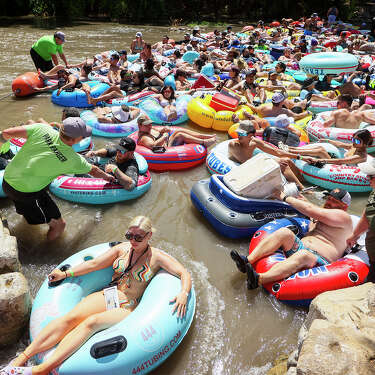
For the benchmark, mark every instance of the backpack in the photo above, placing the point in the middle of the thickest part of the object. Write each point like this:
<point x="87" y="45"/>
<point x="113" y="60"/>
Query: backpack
<point x="275" y="135"/>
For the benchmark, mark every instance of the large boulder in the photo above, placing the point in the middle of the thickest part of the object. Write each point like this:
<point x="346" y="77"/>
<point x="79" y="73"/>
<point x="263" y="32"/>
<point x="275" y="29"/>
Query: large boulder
<point x="15" y="306"/>
<point x="9" y="261"/>
<point x="338" y="336"/>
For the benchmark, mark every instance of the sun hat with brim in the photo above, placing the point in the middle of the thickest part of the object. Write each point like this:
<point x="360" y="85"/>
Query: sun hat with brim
<point x="120" y="114"/>
<point x="75" y="127"/>
<point x="339" y="194"/>
<point x="283" y="121"/>
<point x="126" y="144"/>
<point x="368" y="167"/>
<point x="278" y="98"/>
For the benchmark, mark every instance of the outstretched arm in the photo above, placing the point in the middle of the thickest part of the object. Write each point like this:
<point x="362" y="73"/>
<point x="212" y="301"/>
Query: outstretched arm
<point x="16" y="132"/>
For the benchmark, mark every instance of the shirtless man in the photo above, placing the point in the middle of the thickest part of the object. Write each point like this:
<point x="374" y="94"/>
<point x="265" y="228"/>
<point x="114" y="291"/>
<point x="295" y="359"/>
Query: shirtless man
<point x="323" y="244"/>
<point x="343" y="118"/>
<point x="277" y="108"/>
<point x="242" y="149"/>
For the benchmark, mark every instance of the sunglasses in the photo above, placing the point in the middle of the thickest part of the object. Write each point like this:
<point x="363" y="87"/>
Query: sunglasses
<point x="122" y="152"/>
<point x="356" y="141"/>
<point x="137" y="237"/>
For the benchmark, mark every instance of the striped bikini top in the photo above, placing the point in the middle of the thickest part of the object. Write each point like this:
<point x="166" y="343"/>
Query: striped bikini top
<point x="142" y="273"/>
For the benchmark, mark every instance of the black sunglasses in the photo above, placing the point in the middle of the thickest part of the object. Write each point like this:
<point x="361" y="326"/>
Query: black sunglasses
<point x="137" y="237"/>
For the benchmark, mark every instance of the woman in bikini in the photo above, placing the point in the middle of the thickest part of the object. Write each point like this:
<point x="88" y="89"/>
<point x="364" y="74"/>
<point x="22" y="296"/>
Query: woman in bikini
<point x="137" y="44"/>
<point x="164" y="137"/>
<point x="134" y="264"/>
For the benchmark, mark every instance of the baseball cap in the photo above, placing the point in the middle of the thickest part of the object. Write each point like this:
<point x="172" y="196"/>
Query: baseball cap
<point x="282" y="121"/>
<point x="139" y="34"/>
<point x="245" y="128"/>
<point x="187" y="34"/>
<point x="278" y="98"/>
<point x="368" y="167"/>
<point x="196" y="28"/>
<point x="194" y="39"/>
<point x="143" y="120"/>
<point x="251" y="72"/>
<point x="121" y="113"/>
<point x="339" y="194"/>
<point x="126" y="144"/>
<point x="60" y="35"/>
<point x="75" y="127"/>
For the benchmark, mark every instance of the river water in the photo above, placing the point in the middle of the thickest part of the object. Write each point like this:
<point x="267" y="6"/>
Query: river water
<point x="235" y="331"/>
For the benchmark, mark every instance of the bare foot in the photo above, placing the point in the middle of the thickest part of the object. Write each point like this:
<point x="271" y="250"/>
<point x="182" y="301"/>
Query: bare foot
<point x="41" y="74"/>
<point x="209" y="142"/>
<point x="56" y="229"/>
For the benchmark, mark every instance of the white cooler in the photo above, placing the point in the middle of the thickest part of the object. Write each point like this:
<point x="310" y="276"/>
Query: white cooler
<point x="256" y="178"/>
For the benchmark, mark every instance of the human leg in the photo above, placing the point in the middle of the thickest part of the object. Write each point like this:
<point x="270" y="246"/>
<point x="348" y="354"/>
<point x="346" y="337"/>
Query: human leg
<point x="52" y="73"/>
<point x="55" y="331"/>
<point x="56" y="228"/>
<point x="181" y="138"/>
<point x="296" y="262"/>
<point x="170" y="112"/>
<point x="291" y="172"/>
<point x="79" y="335"/>
<point x="281" y="238"/>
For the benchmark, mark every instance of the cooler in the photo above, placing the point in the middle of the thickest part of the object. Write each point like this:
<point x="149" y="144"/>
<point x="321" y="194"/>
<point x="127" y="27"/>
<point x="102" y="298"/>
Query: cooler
<point x="256" y="178"/>
<point x="221" y="102"/>
<point x="203" y="82"/>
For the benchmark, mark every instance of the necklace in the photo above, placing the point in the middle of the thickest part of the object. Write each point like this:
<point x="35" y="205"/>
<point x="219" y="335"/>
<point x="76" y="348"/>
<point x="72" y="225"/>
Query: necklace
<point x="124" y="279"/>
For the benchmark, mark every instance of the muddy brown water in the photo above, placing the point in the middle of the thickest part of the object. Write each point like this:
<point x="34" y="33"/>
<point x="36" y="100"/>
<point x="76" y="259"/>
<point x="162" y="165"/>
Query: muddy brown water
<point x="235" y="331"/>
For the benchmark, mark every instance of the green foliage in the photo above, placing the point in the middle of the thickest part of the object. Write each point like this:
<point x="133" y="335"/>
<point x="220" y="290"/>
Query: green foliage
<point x="166" y="11"/>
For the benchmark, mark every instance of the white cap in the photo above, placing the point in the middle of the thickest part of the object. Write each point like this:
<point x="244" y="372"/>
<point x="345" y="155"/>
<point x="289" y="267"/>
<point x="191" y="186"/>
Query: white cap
<point x="196" y="28"/>
<point x="282" y="121"/>
<point x="120" y="114"/>
<point x="138" y="34"/>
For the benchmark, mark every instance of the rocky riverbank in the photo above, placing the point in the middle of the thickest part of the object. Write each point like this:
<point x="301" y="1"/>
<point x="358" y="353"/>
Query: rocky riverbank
<point x="337" y="337"/>
<point x="15" y="298"/>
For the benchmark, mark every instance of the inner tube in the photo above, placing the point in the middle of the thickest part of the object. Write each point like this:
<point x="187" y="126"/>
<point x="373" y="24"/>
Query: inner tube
<point x="302" y="287"/>
<point x="156" y="113"/>
<point x="317" y="131"/>
<point x="105" y="129"/>
<point x="23" y="84"/>
<point x="174" y="158"/>
<point x="322" y="63"/>
<point x="91" y="190"/>
<point x="77" y="98"/>
<point x="129" y="100"/>
<point x="231" y="215"/>
<point x="148" y="336"/>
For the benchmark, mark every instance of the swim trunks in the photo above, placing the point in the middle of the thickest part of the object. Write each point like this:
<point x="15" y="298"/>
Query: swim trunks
<point x="299" y="245"/>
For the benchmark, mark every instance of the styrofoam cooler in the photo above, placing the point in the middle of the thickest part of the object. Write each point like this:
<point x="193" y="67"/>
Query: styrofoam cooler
<point x="258" y="177"/>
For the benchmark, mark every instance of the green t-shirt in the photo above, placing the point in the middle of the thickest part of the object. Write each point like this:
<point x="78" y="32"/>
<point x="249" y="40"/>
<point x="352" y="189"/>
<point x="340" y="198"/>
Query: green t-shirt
<point x="41" y="159"/>
<point x="46" y="46"/>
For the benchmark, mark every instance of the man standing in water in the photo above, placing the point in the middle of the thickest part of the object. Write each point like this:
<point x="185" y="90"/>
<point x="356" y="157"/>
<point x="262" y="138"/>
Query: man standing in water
<point x="323" y="244"/>
<point x="43" y="52"/>
<point x="45" y="155"/>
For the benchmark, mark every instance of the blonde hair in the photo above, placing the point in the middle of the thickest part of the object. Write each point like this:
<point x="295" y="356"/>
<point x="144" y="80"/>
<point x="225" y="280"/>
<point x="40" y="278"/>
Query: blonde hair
<point x="143" y="223"/>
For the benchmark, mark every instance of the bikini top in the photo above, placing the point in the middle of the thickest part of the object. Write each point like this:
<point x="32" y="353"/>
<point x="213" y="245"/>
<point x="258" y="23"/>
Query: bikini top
<point x="142" y="274"/>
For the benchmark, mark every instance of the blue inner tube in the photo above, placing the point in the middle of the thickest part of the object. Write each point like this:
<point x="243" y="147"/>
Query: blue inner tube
<point x="152" y="318"/>
<point x="77" y="98"/>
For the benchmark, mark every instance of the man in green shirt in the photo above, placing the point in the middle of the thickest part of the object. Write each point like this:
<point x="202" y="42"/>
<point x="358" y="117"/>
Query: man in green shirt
<point x="44" y="51"/>
<point x="46" y="154"/>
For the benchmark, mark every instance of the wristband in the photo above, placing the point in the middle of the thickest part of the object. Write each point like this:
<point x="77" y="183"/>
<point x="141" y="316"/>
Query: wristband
<point x="284" y="199"/>
<point x="66" y="276"/>
<point x="71" y="272"/>
<point x="114" y="170"/>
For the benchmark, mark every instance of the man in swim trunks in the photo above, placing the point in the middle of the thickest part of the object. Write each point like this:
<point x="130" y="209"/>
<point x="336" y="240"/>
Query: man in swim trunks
<point x="45" y="155"/>
<point x="277" y="108"/>
<point x="249" y="88"/>
<point x="323" y="244"/>
<point x="122" y="163"/>
<point x="342" y="117"/>
<point x="43" y="52"/>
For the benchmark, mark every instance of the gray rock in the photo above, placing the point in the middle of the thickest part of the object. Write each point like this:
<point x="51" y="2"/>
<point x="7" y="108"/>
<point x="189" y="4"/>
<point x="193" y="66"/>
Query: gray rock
<point x="292" y="371"/>
<point x="336" y="350"/>
<point x="8" y="253"/>
<point x="15" y="306"/>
